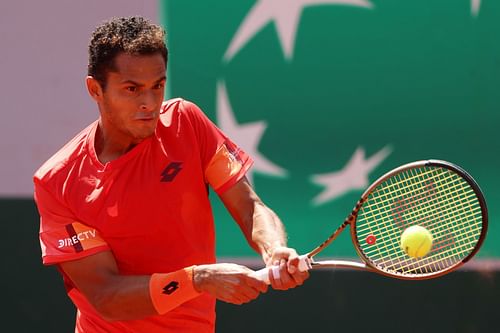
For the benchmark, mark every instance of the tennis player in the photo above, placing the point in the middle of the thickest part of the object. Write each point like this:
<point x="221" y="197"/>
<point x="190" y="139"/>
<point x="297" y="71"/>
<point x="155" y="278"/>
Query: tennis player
<point x="124" y="207"/>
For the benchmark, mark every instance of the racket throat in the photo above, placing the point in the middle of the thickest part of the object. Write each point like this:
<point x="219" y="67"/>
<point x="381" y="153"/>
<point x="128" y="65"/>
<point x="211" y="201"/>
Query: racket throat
<point x="332" y="237"/>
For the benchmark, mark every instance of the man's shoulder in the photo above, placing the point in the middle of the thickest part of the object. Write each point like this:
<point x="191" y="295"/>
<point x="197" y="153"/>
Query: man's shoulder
<point x="64" y="157"/>
<point x="172" y="108"/>
<point x="178" y="104"/>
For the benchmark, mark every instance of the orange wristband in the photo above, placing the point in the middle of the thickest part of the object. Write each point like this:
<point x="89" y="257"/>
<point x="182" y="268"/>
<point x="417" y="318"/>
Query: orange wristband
<point x="169" y="290"/>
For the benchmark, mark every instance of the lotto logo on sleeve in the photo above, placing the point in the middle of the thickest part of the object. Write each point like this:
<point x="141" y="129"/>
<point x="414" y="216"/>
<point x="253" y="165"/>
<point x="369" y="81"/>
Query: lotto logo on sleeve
<point x="80" y="237"/>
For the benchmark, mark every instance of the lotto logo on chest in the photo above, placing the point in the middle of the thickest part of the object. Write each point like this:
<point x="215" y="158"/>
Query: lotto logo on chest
<point x="170" y="172"/>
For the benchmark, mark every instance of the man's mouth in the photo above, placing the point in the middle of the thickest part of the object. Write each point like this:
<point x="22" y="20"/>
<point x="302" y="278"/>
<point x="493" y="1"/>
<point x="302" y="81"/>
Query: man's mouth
<point x="145" y="117"/>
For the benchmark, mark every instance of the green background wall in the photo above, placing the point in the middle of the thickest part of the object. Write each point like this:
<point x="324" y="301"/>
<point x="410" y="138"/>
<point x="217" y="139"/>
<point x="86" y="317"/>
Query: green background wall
<point x="407" y="80"/>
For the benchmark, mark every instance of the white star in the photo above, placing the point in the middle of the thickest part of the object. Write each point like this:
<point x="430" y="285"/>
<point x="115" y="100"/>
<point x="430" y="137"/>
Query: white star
<point x="286" y="15"/>
<point x="475" y="5"/>
<point x="353" y="176"/>
<point x="247" y="136"/>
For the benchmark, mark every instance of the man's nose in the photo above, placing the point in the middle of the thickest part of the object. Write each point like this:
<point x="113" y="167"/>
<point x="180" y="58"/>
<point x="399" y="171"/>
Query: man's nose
<point x="148" y="101"/>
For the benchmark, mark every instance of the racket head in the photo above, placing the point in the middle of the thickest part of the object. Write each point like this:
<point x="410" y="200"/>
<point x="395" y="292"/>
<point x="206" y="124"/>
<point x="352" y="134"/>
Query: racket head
<point x="437" y="195"/>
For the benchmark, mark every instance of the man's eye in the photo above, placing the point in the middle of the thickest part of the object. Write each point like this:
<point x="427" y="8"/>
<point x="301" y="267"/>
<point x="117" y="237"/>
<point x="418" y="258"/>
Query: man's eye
<point x="131" y="89"/>
<point x="159" y="86"/>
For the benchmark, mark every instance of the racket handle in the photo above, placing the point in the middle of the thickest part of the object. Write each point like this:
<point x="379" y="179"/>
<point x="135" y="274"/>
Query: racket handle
<point x="263" y="274"/>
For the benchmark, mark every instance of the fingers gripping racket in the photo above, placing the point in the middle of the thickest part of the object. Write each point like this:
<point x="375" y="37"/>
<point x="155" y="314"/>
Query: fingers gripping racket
<point x="436" y="195"/>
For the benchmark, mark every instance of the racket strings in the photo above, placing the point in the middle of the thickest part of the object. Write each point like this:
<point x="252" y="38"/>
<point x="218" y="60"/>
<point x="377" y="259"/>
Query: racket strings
<point x="447" y="224"/>
<point x="442" y="224"/>
<point x="388" y="196"/>
<point x="450" y="257"/>
<point x="439" y="243"/>
<point x="444" y="227"/>
<point x="432" y="197"/>
<point x="446" y="208"/>
<point x="421" y="216"/>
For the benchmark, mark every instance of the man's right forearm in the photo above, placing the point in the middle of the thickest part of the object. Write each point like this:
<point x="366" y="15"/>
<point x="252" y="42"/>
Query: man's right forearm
<point x="127" y="297"/>
<point x="122" y="298"/>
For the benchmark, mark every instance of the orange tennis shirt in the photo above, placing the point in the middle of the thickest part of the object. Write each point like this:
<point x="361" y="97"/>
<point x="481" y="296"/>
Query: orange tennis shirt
<point x="150" y="207"/>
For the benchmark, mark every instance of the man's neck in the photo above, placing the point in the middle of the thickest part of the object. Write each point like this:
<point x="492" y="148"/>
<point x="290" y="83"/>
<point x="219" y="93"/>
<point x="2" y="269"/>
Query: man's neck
<point x="111" y="146"/>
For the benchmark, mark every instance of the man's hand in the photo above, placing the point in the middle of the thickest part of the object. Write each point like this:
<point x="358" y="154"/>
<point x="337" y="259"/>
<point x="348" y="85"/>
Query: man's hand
<point x="228" y="282"/>
<point x="288" y="261"/>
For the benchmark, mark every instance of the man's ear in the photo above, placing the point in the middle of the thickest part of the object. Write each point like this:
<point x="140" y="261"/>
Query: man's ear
<point x="94" y="88"/>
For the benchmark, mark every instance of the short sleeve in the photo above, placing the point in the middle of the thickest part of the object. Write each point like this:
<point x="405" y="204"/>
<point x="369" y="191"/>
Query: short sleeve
<point x="224" y="163"/>
<point x="62" y="236"/>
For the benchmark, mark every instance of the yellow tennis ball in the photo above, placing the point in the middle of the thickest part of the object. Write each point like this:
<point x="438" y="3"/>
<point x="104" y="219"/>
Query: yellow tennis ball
<point x="416" y="241"/>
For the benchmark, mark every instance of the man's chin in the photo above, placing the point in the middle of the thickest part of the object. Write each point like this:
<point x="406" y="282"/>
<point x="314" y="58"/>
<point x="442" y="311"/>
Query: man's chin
<point x="147" y="130"/>
<point x="143" y="135"/>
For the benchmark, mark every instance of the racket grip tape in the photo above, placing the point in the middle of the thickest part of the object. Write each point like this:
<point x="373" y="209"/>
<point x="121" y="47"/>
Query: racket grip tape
<point x="263" y="274"/>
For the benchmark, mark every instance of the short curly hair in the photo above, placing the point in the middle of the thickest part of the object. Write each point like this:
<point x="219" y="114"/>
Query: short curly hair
<point x="131" y="35"/>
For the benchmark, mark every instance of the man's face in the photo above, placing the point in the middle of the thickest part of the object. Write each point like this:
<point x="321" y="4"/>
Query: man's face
<point x="131" y="101"/>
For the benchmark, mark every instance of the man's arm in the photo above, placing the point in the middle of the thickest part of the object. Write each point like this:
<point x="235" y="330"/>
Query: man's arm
<point x="264" y="232"/>
<point x="115" y="297"/>
<point x="120" y="297"/>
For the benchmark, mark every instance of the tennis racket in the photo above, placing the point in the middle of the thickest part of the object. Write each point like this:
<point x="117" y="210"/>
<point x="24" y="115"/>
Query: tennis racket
<point x="437" y="195"/>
